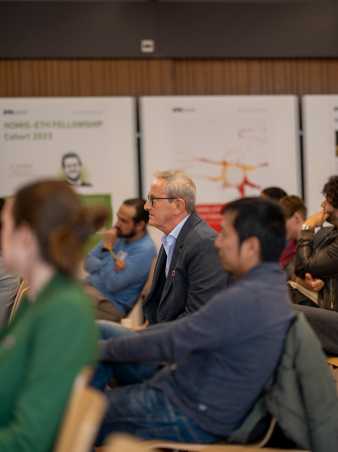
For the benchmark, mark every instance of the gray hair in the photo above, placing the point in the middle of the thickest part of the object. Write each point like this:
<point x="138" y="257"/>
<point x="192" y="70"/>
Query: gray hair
<point x="179" y="185"/>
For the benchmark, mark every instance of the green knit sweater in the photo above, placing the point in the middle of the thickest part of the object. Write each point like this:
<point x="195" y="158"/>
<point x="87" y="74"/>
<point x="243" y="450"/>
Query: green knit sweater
<point x="41" y="352"/>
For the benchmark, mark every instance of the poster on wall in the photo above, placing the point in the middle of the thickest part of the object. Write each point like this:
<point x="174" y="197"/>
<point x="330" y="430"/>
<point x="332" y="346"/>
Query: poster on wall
<point x="232" y="146"/>
<point x="320" y="119"/>
<point x="88" y="141"/>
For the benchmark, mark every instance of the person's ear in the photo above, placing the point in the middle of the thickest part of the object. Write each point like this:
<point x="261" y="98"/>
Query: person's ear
<point x="27" y="242"/>
<point x="28" y="239"/>
<point x="180" y="205"/>
<point x="252" y="248"/>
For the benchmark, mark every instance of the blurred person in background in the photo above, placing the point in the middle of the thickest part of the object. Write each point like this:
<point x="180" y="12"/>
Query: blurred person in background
<point x="9" y="284"/>
<point x="317" y="251"/>
<point x="295" y="213"/>
<point x="274" y="193"/>
<point x="53" y="335"/>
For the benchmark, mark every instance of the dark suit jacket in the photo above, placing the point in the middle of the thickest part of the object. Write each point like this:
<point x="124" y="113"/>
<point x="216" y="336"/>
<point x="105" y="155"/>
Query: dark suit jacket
<point x="194" y="277"/>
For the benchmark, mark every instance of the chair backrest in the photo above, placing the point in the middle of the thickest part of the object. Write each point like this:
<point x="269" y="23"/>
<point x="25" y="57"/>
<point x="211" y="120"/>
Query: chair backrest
<point x="82" y="417"/>
<point x="303" y="397"/>
<point x="135" y="318"/>
<point x="22" y="290"/>
<point x="333" y="365"/>
<point x="125" y="443"/>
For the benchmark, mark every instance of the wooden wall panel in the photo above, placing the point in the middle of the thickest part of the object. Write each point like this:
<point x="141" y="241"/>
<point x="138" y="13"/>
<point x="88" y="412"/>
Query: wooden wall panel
<point x="257" y="77"/>
<point x="85" y="77"/>
<point x="167" y="77"/>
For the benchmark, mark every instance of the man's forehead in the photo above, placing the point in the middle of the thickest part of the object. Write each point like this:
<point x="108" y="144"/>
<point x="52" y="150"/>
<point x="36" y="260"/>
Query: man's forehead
<point x="158" y="185"/>
<point x="71" y="160"/>
<point x="126" y="211"/>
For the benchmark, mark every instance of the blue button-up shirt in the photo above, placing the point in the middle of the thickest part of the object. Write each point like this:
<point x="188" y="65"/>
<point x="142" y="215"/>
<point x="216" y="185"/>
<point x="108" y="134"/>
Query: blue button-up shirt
<point x="169" y="241"/>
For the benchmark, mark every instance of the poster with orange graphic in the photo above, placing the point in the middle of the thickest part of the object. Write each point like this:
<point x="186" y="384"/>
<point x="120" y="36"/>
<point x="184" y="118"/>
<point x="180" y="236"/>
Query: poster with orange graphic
<point x="232" y="146"/>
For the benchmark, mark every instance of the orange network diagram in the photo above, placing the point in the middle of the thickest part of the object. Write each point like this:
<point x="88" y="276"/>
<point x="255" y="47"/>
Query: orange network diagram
<point x="224" y="177"/>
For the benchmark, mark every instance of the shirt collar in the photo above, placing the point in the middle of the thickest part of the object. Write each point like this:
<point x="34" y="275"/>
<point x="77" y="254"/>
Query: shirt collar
<point x="177" y="229"/>
<point x="172" y="236"/>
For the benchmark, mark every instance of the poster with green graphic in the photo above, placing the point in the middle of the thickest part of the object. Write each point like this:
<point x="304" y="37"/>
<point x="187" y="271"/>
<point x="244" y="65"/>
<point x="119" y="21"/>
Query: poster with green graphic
<point x="88" y="141"/>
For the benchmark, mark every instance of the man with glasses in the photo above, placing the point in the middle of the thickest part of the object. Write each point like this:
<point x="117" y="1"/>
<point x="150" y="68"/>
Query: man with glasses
<point x="188" y="272"/>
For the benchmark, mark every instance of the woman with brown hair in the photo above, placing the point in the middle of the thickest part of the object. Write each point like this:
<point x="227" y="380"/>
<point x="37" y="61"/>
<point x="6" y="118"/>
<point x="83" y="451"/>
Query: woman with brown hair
<point x="53" y="335"/>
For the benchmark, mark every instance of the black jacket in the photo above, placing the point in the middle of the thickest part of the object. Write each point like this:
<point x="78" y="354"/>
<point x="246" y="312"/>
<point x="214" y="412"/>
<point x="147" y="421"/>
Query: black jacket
<point x="194" y="277"/>
<point x="317" y="253"/>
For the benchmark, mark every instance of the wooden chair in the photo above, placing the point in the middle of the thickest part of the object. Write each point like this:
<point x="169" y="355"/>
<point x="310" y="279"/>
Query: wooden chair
<point x="332" y="361"/>
<point x="172" y="445"/>
<point x="22" y="290"/>
<point x="135" y="317"/>
<point x="123" y="443"/>
<point x="82" y="418"/>
<point x="193" y="447"/>
<point x="246" y="449"/>
<point x="333" y="364"/>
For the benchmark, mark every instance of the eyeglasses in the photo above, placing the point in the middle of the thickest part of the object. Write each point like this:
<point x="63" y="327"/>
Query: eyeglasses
<point x="151" y="199"/>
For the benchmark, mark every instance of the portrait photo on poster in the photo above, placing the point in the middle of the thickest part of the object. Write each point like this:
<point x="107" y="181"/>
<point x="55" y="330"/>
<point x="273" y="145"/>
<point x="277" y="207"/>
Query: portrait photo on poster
<point x="73" y="170"/>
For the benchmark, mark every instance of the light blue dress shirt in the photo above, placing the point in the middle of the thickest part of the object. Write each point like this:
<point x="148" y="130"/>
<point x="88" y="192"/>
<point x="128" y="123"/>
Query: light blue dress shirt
<point x="169" y="241"/>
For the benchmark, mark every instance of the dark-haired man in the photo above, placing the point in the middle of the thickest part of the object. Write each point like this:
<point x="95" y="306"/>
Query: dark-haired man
<point x="221" y="356"/>
<point x="273" y="193"/>
<point x="317" y="252"/>
<point x="119" y="265"/>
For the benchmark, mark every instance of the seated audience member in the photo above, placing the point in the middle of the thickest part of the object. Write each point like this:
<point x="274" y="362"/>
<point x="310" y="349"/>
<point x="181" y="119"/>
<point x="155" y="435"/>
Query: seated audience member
<point x="219" y="358"/>
<point x="273" y="193"/>
<point x="9" y="284"/>
<point x="187" y="272"/>
<point x="119" y="265"/>
<point x="53" y="335"/>
<point x="295" y="214"/>
<point x="316" y="261"/>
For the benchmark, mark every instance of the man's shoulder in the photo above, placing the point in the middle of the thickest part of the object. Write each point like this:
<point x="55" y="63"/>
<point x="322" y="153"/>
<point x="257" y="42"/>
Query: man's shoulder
<point x="325" y="236"/>
<point x="199" y="229"/>
<point x="145" y="243"/>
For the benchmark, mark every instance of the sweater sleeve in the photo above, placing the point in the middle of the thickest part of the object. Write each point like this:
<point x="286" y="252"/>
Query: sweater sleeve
<point x="175" y="341"/>
<point x="57" y="356"/>
<point x="94" y="260"/>
<point x="137" y="265"/>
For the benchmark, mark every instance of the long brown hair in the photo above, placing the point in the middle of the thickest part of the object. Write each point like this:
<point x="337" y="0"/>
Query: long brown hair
<point x="61" y="224"/>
